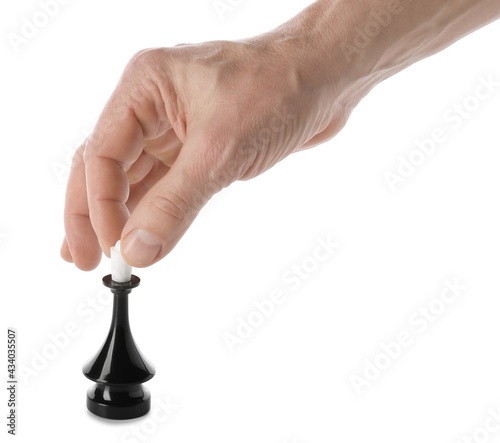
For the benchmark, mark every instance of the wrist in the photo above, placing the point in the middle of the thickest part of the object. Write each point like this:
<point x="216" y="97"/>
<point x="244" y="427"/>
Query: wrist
<point x="319" y="45"/>
<point x="341" y="49"/>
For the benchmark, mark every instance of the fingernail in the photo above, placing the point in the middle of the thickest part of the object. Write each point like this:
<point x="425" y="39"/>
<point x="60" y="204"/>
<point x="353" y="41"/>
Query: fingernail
<point x="141" y="247"/>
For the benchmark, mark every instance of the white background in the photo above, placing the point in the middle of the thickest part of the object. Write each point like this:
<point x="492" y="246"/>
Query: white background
<point x="290" y="381"/>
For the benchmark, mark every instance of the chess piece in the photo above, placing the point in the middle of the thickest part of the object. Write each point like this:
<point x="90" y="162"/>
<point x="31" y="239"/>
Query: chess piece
<point x="119" y="368"/>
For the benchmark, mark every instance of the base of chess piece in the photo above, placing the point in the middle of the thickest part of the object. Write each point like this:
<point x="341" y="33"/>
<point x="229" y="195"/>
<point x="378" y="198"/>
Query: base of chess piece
<point x="118" y="402"/>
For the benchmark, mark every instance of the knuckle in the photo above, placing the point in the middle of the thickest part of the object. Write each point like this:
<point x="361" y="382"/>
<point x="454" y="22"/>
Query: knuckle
<point x="146" y="77"/>
<point x="140" y="57"/>
<point x="146" y="60"/>
<point x="171" y="204"/>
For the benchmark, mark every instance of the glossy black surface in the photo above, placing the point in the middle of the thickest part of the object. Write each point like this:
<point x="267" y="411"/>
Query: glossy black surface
<point x="119" y="368"/>
<point x="118" y="403"/>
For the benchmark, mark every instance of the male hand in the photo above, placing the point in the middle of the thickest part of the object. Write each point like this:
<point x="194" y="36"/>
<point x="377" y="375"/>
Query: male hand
<point x="182" y="124"/>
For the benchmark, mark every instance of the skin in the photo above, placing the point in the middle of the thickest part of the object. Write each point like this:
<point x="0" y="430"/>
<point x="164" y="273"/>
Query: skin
<point x="185" y="122"/>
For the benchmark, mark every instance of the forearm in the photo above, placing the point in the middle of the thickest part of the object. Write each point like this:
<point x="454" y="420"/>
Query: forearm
<point x="348" y="46"/>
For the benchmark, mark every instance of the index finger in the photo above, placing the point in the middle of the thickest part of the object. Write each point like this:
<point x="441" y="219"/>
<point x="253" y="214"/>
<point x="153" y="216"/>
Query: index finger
<point x="112" y="148"/>
<point x="136" y="111"/>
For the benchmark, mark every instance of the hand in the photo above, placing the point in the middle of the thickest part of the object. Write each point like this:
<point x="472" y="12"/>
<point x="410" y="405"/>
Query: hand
<point x="182" y="124"/>
<point x="185" y="122"/>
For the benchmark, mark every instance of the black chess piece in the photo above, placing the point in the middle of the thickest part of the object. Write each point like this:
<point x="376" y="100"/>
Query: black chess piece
<point x="119" y="368"/>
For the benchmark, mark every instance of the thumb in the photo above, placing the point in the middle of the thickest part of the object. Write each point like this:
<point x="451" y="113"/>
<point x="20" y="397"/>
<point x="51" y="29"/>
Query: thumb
<point x="165" y="213"/>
